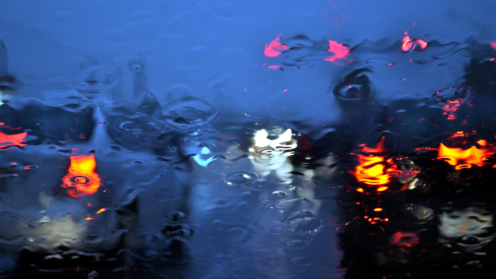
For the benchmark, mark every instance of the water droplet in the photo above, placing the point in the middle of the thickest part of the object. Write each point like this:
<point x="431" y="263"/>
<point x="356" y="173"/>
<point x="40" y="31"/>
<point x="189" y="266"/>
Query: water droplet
<point x="80" y="180"/>
<point x="189" y="111"/>
<point x="241" y="179"/>
<point x="177" y="231"/>
<point x="304" y="222"/>
<point x="130" y="126"/>
<point x="136" y="67"/>
<point x="450" y="96"/>
<point x="279" y="194"/>
<point x="355" y="86"/>
<point x="176" y="215"/>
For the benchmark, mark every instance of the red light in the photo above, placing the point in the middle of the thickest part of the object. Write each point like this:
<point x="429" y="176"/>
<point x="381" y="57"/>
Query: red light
<point x="493" y="45"/>
<point x="7" y="141"/>
<point x="404" y="239"/>
<point x="377" y="149"/>
<point x="274" y="67"/>
<point x="275" y="48"/>
<point x="81" y="178"/>
<point x="339" y="51"/>
<point x="101" y="210"/>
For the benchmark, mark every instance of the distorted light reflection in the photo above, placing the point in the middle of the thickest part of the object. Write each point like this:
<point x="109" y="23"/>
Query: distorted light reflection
<point x="275" y="48"/>
<point x="7" y="141"/>
<point x="464" y="159"/>
<point x="339" y="51"/>
<point x="81" y="178"/>
<point x="410" y="44"/>
<point x="200" y="160"/>
<point x="268" y="155"/>
<point x="470" y="228"/>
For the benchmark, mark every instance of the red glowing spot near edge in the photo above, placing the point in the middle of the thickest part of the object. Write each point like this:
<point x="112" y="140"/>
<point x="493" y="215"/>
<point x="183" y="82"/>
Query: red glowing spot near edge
<point x="275" y="48"/>
<point x="493" y="45"/>
<point x="7" y="141"/>
<point x="81" y="179"/>
<point x="274" y="67"/>
<point x="409" y="44"/>
<point x="339" y="51"/>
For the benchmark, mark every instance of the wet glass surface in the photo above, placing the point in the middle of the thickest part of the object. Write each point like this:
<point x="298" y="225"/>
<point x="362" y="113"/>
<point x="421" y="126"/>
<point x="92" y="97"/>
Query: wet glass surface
<point x="226" y="139"/>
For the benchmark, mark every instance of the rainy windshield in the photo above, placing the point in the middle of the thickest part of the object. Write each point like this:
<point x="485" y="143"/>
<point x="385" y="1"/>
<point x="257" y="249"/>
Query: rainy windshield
<point x="226" y="139"/>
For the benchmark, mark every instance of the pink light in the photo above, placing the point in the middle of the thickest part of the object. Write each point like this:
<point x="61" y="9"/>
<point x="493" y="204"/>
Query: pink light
<point x="340" y="51"/>
<point x="275" y="48"/>
<point x="409" y="42"/>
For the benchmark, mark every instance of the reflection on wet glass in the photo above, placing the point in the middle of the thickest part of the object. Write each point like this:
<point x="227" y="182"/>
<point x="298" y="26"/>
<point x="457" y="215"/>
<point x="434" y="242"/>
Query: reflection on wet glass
<point x="286" y="156"/>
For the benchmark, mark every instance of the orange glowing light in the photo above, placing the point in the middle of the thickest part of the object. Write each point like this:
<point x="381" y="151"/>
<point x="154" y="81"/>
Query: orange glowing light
<point x="89" y="218"/>
<point x="451" y="107"/>
<point x="275" y="48"/>
<point x="7" y="141"/>
<point x="81" y="179"/>
<point x="383" y="188"/>
<point x="339" y="51"/>
<point x="409" y="44"/>
<point x="360" y="190"/>
<point x="378" y="209"/>
<point x="482" y="142"/>
<point x="101" y="210"/>
<point x="468" y="157"/>
<point x="371" y="170"/>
